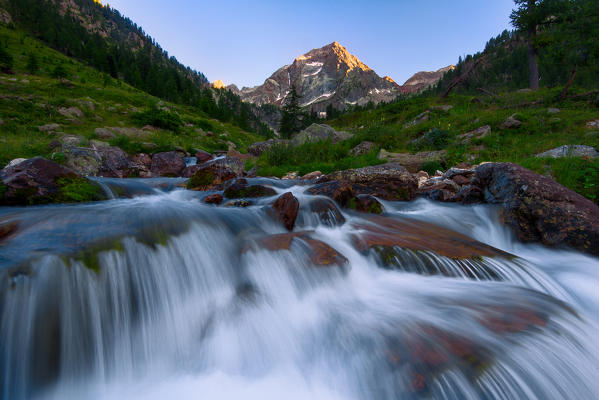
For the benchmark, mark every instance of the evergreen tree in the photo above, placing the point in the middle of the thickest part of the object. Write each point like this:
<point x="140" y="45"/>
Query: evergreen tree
<point x="5" y="60"/>
<point x="291" y="115"/>
<point x="527" y="17"/>
<point x="32" y="64"/>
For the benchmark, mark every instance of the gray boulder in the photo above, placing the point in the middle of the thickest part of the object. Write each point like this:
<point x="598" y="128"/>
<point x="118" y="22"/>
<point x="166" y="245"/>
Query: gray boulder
<point x="363" y="148"/>
<point x="319" y="133"/>
<point x="574" y="150"/>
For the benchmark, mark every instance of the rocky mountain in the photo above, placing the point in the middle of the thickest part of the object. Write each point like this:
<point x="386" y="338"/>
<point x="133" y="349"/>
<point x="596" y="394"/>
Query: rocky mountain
<point x="329" y="75"/>
<point x="424" y="79"/>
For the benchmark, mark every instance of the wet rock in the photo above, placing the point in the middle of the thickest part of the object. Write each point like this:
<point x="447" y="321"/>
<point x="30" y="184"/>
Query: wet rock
<point x="387" y="181"/>
<point x="256" y="149"/>
<point x="189" y="171"/>
<point x="285" y="209"/>
<point x="320" y="253"/>
<point x="238" y="203"/>
<point x="311" y="176"/>
<point x="211" y="175"/>
<point x="319" y="133"/>
<point x="203" y="156"/>
<point x="7" y="229"/>
<point x="289" y="176"/>
<point x="170" y="163"/>
<point x="511" y="123"/>
<point x="536" y="208"/>
<point x="385" y="232"/>
<point x="40" y="181"/>
<point x="366" y="203"/>
<point x="574" y="150"/>
<point x="363" y="148"/>
<point x="216" y="198"/>
<point x="327" y="211"/>
<point x="413" y="162"/>
<point x="240" y="188"/>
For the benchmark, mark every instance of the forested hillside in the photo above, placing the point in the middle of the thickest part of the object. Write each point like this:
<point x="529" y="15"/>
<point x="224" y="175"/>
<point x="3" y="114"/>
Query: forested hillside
<point x="104" y="39"/>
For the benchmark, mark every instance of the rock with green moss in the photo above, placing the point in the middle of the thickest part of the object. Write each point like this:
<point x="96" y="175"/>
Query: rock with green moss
<point x="366" y="203"/>
<point x="240" y="189"/>
<point x="40" y="181"/>
<point x="212" y="175"/>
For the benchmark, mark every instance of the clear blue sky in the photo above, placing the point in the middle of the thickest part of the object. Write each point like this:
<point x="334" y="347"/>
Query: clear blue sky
<point x="244" y="42"/>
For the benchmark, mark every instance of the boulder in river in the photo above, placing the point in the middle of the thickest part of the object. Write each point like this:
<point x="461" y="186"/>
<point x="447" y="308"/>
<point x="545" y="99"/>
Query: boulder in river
<point x="40" y="181"/>
<point x="214" y="173"/>
<point x="240" y="189"/>
<point x="170" y="163"/>
<point x="215" y="198"/>
<point x="327" y="211"/>
<point x="203" y="156"/>
<point x="388" y="182"/>
<point x="285" y="209"/>
<point x="320" y="253"/>
<point x="537" y="208"/>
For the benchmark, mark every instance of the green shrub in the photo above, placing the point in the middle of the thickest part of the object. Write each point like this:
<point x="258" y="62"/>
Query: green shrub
<point x="158" y="118"/>
<point x="431" y="167"/>
<point x="435" y="139"/>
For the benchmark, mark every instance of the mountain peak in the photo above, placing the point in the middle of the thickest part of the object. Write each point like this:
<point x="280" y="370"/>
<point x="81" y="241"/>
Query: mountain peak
<point x="323" y="76"/>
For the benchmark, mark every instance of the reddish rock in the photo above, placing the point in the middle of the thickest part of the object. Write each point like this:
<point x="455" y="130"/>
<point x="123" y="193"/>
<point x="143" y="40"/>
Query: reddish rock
<point x="388" y="232"/>
<point x="327" y="211"/>
<point x="170" y="163"/>
<point x="115" y="162"/>
<point x="312" y="175"/>
<point x="39" y="181"/>
<point x="321" y="254"/>
<point x="536" y="208"/>
<point x="7" y="229"/>
<point x="213" y="199"/>
<point x="285" y="209"/>
<point x="140" y="165"/>
<point x="387" y="181"/>
<point x="211" y="175"/>
<point x="190" y="170"/>
<point x="203" y="156"/>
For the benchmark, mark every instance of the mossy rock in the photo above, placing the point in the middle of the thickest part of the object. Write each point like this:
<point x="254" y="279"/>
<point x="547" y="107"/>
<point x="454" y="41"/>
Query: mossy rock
<point x="201" y="178"/>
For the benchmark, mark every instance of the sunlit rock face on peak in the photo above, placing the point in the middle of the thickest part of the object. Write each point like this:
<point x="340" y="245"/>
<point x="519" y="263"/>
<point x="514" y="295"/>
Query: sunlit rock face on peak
<point x="328" y="75"/>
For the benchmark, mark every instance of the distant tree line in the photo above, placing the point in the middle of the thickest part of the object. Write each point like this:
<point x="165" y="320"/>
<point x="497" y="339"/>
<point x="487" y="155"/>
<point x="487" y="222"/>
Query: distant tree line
<point x="121" y="49"/>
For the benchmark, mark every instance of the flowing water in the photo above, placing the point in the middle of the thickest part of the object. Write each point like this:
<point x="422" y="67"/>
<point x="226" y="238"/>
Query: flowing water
<point x="159" y="296"/>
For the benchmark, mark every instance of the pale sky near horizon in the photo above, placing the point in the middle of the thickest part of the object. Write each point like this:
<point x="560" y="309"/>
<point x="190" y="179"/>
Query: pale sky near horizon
<point x="244" y="42"/>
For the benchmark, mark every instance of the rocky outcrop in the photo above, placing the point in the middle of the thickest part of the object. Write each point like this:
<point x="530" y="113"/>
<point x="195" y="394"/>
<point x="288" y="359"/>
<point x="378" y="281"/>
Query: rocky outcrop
<point x="574" y="150"/>
<point x="423" y="80"/>
<point x="319" y="133"/>
<point x="536" y="208"/>
<point x="40" y="181"/>
<point x="285" y="210"/>
<point x="387" y="181"/>
<point x="170" y="163"/>
<point x="329" y="75"/>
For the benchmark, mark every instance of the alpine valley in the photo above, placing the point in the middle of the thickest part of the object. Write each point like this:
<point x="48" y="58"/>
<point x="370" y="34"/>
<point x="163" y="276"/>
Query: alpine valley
<point x="328" y="235"/>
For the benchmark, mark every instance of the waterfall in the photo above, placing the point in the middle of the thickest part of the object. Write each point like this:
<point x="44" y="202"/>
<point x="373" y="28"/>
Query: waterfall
<point x="162" y="296"/>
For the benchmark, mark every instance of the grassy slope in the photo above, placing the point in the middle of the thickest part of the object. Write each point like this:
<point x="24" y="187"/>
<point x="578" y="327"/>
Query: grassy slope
<point x="540" y="131"/>
<point x="28" y="101"/>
